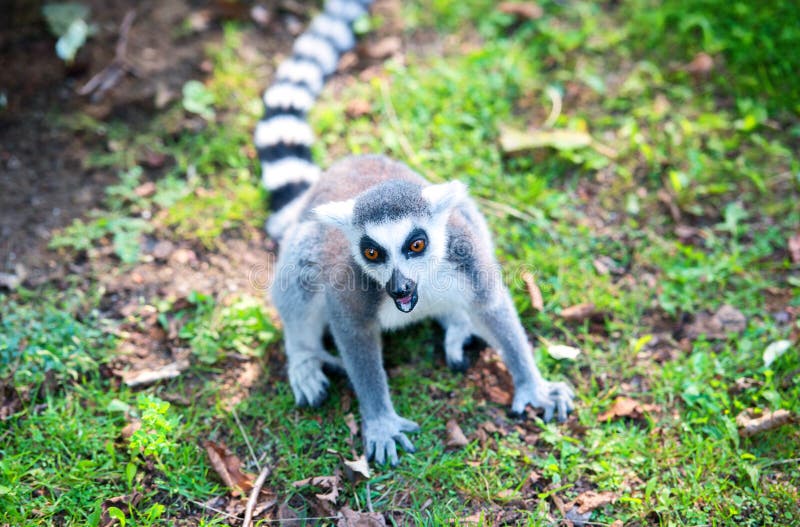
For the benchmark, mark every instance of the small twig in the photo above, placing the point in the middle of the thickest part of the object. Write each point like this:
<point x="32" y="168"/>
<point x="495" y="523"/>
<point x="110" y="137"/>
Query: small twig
<point x="246" y="438"/>
<point x="555" y="111"/>
<point x="109" y="76"/>
<point x="781" y="462"/>
<point x="251" y="502"/>
<point x="369" y="498"/>
<point x="213" y="509"/>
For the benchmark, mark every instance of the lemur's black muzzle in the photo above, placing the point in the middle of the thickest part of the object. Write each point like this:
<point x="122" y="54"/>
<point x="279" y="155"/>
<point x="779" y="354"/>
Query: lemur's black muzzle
<point x="403" y="291"/>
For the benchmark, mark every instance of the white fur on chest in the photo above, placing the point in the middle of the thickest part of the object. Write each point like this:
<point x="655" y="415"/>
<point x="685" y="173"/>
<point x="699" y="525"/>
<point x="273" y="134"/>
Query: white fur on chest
<point x="447" y="295"/>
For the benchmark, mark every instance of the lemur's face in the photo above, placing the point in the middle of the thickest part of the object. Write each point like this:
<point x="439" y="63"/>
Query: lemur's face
<point x="401" y="250"/>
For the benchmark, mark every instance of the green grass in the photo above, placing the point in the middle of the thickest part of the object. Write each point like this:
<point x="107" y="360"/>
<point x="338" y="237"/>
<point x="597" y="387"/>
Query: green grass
<point x="718" y="157"/>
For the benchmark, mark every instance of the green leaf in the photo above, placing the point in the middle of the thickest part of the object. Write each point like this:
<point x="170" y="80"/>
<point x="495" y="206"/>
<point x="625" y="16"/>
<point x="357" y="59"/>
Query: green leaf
<point x="198" y="99"/>
<point x="117" y="514"/>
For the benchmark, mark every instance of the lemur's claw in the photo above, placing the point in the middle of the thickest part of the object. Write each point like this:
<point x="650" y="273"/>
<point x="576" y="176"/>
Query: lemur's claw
<point x="555" y="398"/>
<point x="382" y="435"/>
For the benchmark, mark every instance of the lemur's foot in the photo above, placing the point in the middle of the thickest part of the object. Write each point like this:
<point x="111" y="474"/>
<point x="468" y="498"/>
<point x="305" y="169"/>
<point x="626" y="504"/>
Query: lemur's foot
<point x="552" y="397"/>
<point x="382" y="434"/>
<point x="309" y="383"/>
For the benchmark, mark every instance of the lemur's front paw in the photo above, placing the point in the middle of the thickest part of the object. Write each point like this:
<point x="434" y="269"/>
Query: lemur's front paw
<point x="553" y="397"/>
<point x="309" y="384"/>
<point x="381" y="436"/>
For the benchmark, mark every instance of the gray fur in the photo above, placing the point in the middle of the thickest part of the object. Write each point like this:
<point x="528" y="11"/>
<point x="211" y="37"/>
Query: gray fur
<point x="323" y="281"/>
<point x="390" y="201"/>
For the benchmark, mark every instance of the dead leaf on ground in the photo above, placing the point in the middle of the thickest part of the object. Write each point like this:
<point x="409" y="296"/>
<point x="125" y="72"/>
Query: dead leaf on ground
<point x="726" y="321"/>
<point x="385" y="47"/>
<point x="129" y="429"/>
<point x="627" y="407"/>
<point x="357" y="108"/>
<point x="535" y="294"/>
<point x="775" y="350"/>
<point x="357" y="468"/>
<point x="528" y="10"/>
<point x="228" y="467"/>
<point x="513" y="141"/>
<point x="352" y="426"/>
<point x="794" y="248"/>
<point x="579" y="312"/>
<point x="750" y="422"/>
<point x="455" y="436"/>
<point x="561" y="351"/>
<point x="701" y="64"/>
<point x="331" y="483"/>
<point x="351" y="518"/>
<point x="491" y="376"/>
<point x="145" y="190"/>
<point x="605" y="265"/>
<point x="143" y="377"/>
<point x="591" y="500"/>
<point x="122" y="502"/>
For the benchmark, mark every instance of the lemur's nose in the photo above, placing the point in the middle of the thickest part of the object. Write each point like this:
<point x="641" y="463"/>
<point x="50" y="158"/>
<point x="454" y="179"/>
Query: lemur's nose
<point x="399" y="285"/>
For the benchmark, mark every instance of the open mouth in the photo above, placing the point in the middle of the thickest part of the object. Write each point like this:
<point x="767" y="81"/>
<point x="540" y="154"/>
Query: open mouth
<point x="406" y="303"/>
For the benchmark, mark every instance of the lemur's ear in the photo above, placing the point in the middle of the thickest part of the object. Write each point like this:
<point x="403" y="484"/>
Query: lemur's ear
<point x="336" y="213"/>
<point x="445" y="196"/>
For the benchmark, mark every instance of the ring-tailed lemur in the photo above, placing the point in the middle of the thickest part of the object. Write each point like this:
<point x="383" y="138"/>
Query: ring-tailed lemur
<point x="370" y="245"/>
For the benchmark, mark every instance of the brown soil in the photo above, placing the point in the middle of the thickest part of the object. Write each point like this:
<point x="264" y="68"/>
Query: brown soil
<point x="45" y="181"/>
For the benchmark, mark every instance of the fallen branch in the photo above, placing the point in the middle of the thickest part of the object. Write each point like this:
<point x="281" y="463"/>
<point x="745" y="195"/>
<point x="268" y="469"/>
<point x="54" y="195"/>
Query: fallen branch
<point x="253" y="499"/>
<point x="750" y="426"/>
<point x="109" y="76"/>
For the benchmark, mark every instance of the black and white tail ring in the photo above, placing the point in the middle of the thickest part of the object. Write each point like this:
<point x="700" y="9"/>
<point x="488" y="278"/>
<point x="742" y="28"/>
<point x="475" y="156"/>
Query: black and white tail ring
<point x="283" y="137"/>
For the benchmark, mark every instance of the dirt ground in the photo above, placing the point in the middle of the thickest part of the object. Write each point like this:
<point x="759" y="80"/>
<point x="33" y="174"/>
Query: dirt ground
<point x="45" y="181"/>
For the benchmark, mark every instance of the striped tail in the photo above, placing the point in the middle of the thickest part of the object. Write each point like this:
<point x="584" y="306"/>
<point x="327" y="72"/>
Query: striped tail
<point x="283" y="137"/>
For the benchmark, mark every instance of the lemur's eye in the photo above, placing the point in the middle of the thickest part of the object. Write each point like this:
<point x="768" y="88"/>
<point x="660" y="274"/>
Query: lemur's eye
<point x="370" y="253"/>
<point x="417" y="245"/>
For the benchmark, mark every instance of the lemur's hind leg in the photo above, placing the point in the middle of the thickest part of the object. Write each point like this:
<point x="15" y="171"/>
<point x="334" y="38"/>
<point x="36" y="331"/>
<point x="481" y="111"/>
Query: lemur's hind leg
<point x="458" y="331"/>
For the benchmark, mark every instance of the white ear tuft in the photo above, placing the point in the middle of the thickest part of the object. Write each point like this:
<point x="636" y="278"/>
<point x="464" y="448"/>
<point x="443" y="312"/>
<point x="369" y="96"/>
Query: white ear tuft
<point x="336" y="213"/>
<point x="445" y="196"/>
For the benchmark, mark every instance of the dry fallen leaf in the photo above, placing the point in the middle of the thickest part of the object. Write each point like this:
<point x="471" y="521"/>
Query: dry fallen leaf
<point x="356" y="468"/>
<point x="775" y="350"/>
<point x="560" y="352"/>
<point x="228" y="467"/>
<point x="579" y="312"/>
<point x="627" y="407"/>
<point x="351" y="518"/>
<point x="331" y="483"/>
<point x="472" y="519"/>
<point x="124" y="501"/>
<point x="385" y="47"/>
<point x="794" y="248"/>
<point x="749" y="424"/>
<point x="142" y="377"/>
<point x="527" y="10"/>
<point x="514" y="141"/>
<point x="352" y="426"/>
<point x="537" y="302"/>
<point x="591" y="500"/>
<point x="357" y="108"/>
<point x="130" y="428"/>
<point x="701" y="64"/>
<point x="455" y="436"/>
